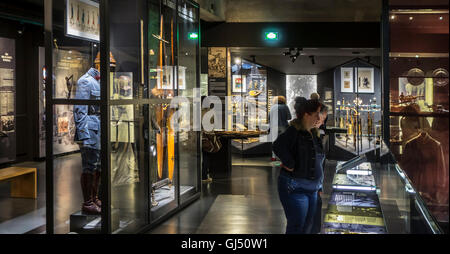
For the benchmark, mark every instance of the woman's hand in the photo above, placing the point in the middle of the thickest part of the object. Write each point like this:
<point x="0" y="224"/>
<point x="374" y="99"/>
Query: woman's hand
<point x="288" y="169"/>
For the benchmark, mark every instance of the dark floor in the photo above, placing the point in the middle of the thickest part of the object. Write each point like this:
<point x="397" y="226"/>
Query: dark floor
<point x="246" y="203"/>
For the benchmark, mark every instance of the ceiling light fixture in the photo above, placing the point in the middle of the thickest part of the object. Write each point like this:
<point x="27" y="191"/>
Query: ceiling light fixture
<point x="411" y="18"/>
<point x="441" y="18"/>
<point x="293" y="53"/>
<point x="393" y="17"/>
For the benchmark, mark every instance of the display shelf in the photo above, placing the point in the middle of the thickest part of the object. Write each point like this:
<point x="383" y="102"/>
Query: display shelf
<point x="421" y="114"/>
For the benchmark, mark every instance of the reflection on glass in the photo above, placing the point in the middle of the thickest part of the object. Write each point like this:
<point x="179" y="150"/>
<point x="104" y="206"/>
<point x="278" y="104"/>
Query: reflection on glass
<point x="128" y="161"/>
<point x="128" y="122"/>
<point x="162" y="50"/>
<point x="187" y="81"/>
<point x="358" y="106"/>
<point x="419" y="104"/>
<point x="77" y="176"/>
<point x="68" y="66"/>
<point x="162" y="158"/>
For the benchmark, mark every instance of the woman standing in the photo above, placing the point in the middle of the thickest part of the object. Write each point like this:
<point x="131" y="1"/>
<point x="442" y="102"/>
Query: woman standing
<point x="301" y="174"/>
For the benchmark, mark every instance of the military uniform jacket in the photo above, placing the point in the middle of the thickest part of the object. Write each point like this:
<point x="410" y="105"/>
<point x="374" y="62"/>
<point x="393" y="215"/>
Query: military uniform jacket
<point x="87" y="117"/>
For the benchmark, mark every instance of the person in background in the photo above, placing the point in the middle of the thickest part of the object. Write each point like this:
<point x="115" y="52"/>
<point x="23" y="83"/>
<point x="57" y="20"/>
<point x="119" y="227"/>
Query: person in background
<point x="320" y="125"/>
<point x="281" y="111"/>
<point x="301" y="173"/>
<point x="314" y="96"/>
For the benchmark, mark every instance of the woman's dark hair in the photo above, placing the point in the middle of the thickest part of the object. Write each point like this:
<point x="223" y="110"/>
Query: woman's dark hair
<point x="309" y="106"/>
<point x="299" y="103"/>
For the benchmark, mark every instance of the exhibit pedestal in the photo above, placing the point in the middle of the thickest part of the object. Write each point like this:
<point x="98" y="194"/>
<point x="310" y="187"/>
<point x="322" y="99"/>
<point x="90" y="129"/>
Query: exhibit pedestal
<point x="90" y="224"/>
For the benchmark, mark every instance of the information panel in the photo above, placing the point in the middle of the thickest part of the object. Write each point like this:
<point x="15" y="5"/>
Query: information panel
<point x="7" y="100"/>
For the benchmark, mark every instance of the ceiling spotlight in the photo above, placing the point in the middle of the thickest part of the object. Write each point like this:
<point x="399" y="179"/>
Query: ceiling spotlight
<point x="441" y="18"/>
<point x="393" y="17"/>
<point x="237" y="60"/>
<point x="411" y="18"/>
<point x="293" y="53"/>
<point x="312" y="60"/>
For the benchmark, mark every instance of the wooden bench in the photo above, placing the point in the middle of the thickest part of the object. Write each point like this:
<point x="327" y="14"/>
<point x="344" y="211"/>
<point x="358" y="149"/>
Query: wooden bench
<point x="23" y="181"/>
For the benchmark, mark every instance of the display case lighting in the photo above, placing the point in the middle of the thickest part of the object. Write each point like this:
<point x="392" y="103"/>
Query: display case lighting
<point x="359" y="172"/>
<point x="361" y="188"/>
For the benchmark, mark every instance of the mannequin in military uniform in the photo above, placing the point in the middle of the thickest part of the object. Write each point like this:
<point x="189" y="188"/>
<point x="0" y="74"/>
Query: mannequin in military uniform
<point x="87" y="123"/>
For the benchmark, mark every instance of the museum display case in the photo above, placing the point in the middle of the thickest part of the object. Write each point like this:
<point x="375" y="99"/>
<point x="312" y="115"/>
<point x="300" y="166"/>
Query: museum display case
<point x="249" y="105"/>
<point x="419" y="102"/>
<point x="376" y="197"/>
<point x="115" y="100"/>
<point x="357" y="106"/>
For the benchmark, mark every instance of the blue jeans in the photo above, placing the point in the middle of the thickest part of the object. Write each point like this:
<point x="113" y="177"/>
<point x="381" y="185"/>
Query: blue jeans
<point x="299" y="205"/>
<point x="90" y="160"/>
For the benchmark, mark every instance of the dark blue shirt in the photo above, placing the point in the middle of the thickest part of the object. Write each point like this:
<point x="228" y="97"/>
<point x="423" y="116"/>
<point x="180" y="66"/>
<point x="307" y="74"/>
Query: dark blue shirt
<point x="283" y="114"/>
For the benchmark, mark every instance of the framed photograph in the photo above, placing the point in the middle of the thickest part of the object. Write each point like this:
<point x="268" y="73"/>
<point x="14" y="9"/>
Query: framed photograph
<point x="239" y="84"/>
<point x="217" y="62"/>
<point x="347" y="80"/>
<point x="365" y="80"/>
<point x="83" y="19"/>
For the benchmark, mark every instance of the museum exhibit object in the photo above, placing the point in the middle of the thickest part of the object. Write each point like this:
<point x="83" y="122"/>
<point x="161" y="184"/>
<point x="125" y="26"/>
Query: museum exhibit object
<point x="115" y="68"/>
<point x="418" y="99"/>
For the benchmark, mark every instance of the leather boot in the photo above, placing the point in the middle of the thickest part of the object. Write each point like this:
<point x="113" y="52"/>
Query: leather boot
<point x="88" y="206"/>
<point x="95" y="188"/>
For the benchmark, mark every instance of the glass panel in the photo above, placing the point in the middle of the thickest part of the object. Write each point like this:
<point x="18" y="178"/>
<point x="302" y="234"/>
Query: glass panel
<point x="163" y="163"/>
<point x="419" y="103"/>
<point x="76" y="128"/>
<point x="74" y="47"/>
<point x="248" y="101"/>
<point x="358" y="106"/>
<point x="188" y="31"/>
<point x="162" y="49"/>
<point x="162" y="77"/>
<point x="129" y="160"/>
<point x="129" y="123"/>
<point x="403" y="207"/>
<point x="127" y="50"/>
<point x="77" y="175"/>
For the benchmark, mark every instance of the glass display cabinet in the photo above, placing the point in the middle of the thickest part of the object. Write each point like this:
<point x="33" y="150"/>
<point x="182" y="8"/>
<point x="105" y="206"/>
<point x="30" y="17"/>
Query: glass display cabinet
<point x="249" y="102"/>
<point x="375" y="197"/>
<point x="419" y="102"/>
<point x="116" y="69"/>
<point x="358" y="106"/>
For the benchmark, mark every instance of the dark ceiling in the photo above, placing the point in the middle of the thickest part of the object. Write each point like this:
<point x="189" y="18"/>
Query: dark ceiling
<point x="325" y="58"/>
